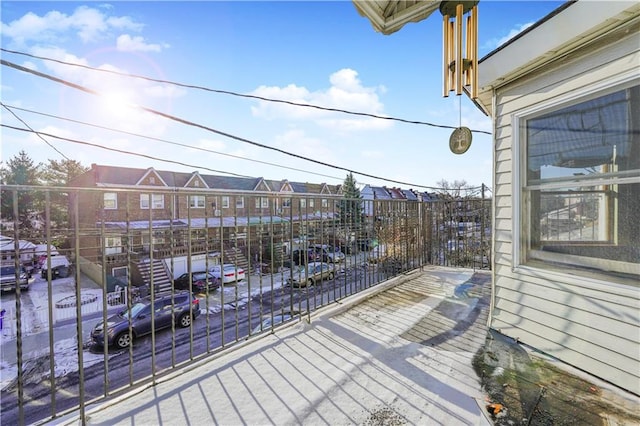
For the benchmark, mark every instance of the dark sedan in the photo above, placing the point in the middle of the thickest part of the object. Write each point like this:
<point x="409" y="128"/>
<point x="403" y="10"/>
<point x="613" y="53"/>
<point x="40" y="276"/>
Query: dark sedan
<point x="200" y="282"/>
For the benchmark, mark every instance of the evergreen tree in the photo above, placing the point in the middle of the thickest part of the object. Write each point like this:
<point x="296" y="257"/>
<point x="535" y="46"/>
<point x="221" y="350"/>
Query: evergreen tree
<point x="20" y="170"/>
<point x="58" y="174"/>
<point x="350" y="207"/>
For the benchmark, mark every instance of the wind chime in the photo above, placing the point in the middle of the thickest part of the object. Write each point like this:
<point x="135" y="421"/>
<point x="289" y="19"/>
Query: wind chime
<point x="460" y="72"/>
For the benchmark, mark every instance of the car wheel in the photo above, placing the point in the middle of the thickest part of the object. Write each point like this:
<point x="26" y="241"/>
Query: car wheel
<point x="185" y="320"/>
<point x="123" y="340"/>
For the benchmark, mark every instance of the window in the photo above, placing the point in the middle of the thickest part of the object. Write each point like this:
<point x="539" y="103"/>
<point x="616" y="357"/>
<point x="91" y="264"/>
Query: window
<point x="303" y="203"/>
<point x="239" y="202"/>
<point x="580" y="199"/>
<point x="157" y="201"/>
<point x="196" y="201"/>
<point x="325" y="203"/>
<point x="112" y="245"/>
<point x="110" y="201"/>
<point x="286" y="203"/>
<point x="311" y="203"/>
<point x="262" y="202"/>
<point x="225" y="202"/>
<point x="121" y="274"/>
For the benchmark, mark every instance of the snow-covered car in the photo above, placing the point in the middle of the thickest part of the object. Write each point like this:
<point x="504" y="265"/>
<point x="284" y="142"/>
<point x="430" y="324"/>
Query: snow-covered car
<point x="227" y="273"/>
<point x="60" y="267"/>
<point x="312" y="273"/>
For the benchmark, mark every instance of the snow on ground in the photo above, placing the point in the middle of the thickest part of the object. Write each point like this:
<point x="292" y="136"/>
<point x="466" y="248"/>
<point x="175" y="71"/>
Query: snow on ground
<point x="37" y="363"/>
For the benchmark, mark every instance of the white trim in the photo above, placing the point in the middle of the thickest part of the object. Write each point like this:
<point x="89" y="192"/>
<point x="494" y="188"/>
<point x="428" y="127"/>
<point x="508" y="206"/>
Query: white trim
<point x="590" y="283"/>
<point x="594" y="90"/>
<point x="104" y="205"/>
<point x="147" y="173"/>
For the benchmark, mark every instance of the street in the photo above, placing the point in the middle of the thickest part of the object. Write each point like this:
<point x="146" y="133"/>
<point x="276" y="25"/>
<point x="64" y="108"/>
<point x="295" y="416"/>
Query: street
<point x="227" y="318"/>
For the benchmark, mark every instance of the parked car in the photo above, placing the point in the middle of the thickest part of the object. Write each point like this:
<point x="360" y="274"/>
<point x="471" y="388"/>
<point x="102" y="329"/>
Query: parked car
<point x="8" y="278"/>
<point x="200" y="281"/>
<point x="302" y="257"/>
<point x="227" y="273"/>
<point x="314" y="272"/>
<point x="185" y="308"/>
<point x="329" y="253"/>
<point x="60" y="267"/>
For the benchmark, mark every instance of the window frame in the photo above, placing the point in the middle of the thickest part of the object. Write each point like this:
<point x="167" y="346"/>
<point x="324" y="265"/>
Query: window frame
<point x="225" y="202"/>
<point x="195" y="201"/>
<point x="240" y="202"/>
<point x="521" y="189"/>
<point x="115" y="201"/>
<point x="156" y="201"/>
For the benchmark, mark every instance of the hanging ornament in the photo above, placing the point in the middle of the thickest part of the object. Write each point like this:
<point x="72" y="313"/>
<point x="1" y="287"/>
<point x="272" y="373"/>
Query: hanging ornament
<point x="460" y="140"/>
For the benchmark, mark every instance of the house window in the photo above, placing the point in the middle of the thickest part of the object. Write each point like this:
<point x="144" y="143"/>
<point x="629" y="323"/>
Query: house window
<point x="240" y="202"/>
<point x="325" y="203"/>
<point x="225" y="202"/>
<point x="286" y="203"/>
<point x="262" y="203"/>
<point x="580" y="199"/>
<point x="121" y="274"/>
<point x="157" y="201"/>
<point x="303" y="203"/>
<point x="196" y="201"/>
<point x="311" y="203"/>
<point x="110" y="201"/>
<point x="112" y="245"/>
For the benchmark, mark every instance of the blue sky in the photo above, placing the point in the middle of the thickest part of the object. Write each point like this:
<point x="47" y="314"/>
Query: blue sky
<point x="322" y="53"/>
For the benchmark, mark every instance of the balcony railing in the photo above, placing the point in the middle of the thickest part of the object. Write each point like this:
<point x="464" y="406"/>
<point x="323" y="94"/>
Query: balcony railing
<point x="47" y="327"/>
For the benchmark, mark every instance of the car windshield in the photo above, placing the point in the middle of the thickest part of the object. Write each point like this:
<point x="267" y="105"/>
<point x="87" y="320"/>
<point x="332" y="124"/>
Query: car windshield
<point x="8" y="270"/>
<point x="200" y="276"/>
<point x="135" y="310"/>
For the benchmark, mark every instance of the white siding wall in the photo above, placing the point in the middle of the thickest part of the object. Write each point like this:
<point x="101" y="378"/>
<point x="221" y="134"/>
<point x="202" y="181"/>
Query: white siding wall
<point x="591" y="324"/>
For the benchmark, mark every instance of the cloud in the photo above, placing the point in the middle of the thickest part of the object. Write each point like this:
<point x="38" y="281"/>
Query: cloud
<point x="86" y="23"/>
<point x="345" y="93"/>
<point x="297" y="142"/>
<point x="126" y="43"/>
<point x="497" y="42"/>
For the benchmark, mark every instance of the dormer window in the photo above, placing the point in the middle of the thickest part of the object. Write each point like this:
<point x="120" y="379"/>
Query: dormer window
<point x="152" y="179"/>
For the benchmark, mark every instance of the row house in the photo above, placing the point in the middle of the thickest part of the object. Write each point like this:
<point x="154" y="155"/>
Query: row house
<point x="130" y="213"/>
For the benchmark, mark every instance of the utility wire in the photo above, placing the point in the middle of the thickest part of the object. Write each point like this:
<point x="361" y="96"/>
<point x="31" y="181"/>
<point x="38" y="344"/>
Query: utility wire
<point x="151" y="157"/>
<point x="241" y="95"/>
<point x="203" y="127"/>
<point x="169" y="142"/>
<point x="30" y="128"/>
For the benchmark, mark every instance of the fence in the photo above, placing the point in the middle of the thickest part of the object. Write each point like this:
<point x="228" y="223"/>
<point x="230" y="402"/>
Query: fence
<point x="133" y="244"/>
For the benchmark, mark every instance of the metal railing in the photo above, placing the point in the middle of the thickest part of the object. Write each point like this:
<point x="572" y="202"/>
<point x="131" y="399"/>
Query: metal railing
<point x="120" y="259"/>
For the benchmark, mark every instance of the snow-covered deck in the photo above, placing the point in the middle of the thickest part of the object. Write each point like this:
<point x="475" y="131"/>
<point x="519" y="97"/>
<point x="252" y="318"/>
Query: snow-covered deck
<point x="399" y="353"/>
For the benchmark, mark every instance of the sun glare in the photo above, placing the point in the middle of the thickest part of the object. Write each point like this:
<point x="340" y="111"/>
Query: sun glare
<point x="117" y="103"/>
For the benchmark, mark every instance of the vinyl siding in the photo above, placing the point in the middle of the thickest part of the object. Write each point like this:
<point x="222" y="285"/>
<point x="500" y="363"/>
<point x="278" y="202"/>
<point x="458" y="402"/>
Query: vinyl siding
<point x="589" y="323"/>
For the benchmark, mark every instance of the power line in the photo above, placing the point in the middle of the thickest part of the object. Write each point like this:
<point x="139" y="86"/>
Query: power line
<point x="29" y="127"/>
<point x="209" y="129"/>
<point x="169" y="142"/>
<point x="241" y="95"/>
<point x="151" y="157"/>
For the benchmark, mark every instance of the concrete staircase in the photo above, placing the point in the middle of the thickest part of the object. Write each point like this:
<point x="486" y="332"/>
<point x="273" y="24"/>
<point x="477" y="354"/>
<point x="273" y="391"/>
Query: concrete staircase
<point x="235" y="256"/>
<point x="161" y="279"/>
